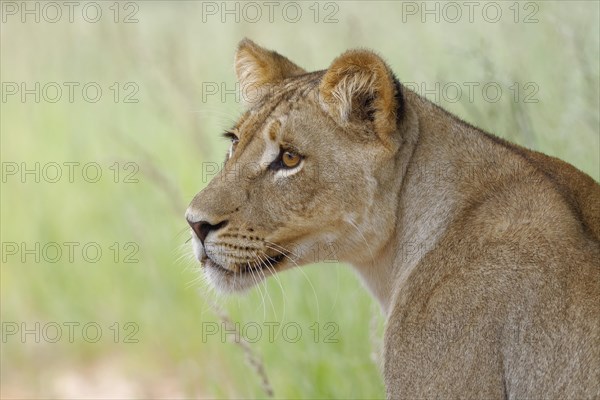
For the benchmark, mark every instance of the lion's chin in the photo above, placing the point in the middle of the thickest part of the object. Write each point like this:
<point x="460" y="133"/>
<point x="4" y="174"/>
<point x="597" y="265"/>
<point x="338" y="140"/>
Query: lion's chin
<point x="226" y="281"/>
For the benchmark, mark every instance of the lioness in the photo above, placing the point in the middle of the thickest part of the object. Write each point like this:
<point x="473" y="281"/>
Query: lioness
<point x="484" y="255"/>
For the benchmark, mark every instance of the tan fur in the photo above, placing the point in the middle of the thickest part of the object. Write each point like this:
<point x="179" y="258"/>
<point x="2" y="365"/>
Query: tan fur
<point x="357" y="74"/>
<point x="259" y="69"/>
<point x="484" y="256"/>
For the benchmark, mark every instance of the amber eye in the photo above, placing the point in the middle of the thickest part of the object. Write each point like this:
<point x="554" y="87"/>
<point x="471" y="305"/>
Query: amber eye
<point x="289" y="159"/>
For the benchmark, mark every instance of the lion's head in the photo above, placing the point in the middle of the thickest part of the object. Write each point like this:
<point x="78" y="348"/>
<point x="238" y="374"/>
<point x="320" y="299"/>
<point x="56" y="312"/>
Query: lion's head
<point x="306" y="174"/>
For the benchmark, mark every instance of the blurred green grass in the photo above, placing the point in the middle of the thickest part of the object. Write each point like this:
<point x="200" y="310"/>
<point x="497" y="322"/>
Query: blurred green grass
<point x="170" y="132"/>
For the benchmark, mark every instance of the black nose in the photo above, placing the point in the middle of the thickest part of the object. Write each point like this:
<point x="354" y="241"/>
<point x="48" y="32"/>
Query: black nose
<point x="202" y="228"/>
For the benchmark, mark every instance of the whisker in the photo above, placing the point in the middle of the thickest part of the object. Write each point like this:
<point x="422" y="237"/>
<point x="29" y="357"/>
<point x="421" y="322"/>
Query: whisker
<point x="282" y="248"/>
<point x="271" y="268"/>
<point x="275" y="275"/>
<point x="259" y="261"/>
<point x="305" y="276"/>
<point x="363" y="238"/>
<point x="260" y="291"/>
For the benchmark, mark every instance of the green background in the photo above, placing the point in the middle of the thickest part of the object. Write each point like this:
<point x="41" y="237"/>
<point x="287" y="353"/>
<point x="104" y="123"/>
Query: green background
<point x="543" y="58"/>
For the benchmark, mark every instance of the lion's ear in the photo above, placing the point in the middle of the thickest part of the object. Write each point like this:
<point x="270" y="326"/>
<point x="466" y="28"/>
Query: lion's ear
<point x="257" y="68"/>
<point x="359" y="87"/>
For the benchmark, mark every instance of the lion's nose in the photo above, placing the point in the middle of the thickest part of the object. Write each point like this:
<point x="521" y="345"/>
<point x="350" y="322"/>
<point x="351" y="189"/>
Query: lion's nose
<point x="203" y="228"/>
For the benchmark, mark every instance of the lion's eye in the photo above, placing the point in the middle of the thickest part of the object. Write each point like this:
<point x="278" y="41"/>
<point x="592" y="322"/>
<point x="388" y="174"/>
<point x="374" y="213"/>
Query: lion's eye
<point x="290" y="159"/>
<point x="287" y="159"/>
<point x="234" y="143"/>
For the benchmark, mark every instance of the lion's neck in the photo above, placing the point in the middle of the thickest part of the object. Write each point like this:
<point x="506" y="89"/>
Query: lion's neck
<point x="430" y="168"/>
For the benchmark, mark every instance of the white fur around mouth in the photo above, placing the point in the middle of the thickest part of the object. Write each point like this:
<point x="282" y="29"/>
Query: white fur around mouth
<point x="270" y="263"/>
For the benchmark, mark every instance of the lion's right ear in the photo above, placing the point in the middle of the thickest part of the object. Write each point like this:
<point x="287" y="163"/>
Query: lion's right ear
<point x="359" y="87"/>
<point x="257" y="68"/>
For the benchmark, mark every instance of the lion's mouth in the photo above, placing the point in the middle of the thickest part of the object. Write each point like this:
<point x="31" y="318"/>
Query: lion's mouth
<point x="268" y="263"/>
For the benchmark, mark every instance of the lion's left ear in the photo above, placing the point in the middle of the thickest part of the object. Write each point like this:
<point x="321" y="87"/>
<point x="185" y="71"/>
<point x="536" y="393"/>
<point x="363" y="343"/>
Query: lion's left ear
<point x="257" y="68"/>
<point x="359" y="87"/>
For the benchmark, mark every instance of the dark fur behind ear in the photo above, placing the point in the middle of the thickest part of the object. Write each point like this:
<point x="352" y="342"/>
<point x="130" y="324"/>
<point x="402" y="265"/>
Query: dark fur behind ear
<point x="399" y="96"/>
